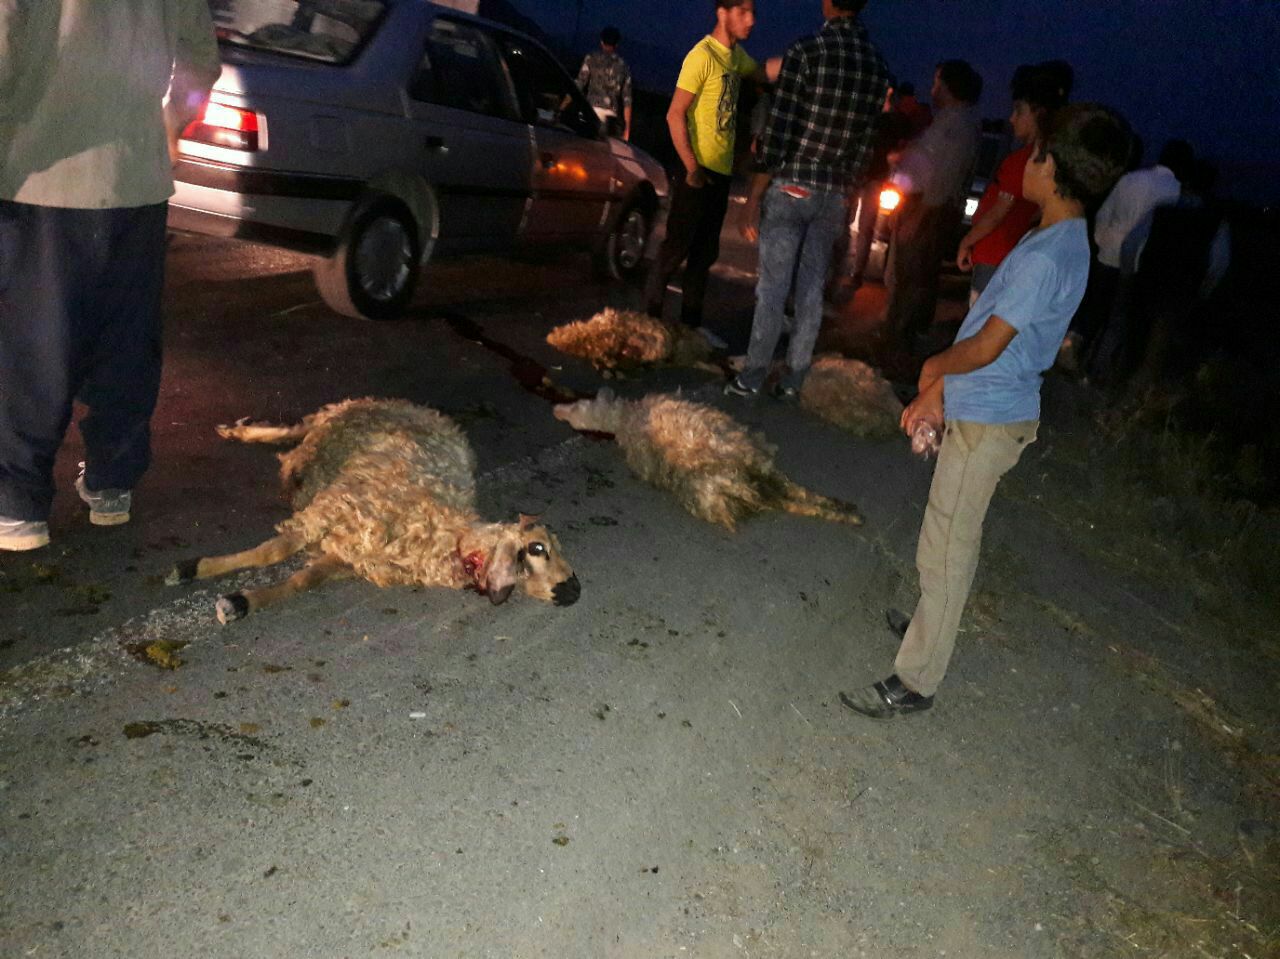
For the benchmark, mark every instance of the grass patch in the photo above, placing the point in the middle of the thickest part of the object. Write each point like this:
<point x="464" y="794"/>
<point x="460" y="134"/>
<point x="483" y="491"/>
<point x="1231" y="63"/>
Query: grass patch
<point x="1165" y="504"/>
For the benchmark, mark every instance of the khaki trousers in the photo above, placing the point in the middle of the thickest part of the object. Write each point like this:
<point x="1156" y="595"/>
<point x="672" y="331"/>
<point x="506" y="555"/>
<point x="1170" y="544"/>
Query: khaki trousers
<point x="973" y="458"/>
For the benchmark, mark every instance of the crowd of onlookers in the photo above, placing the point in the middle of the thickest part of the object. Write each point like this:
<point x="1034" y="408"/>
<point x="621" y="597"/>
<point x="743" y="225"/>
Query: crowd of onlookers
<point x="1079" y="257"/>
<point x="1160" y="245"/>
<point x="831" y="126"/>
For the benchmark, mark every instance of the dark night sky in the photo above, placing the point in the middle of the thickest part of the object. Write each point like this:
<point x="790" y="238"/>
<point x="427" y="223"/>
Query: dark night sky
<point x="1206" y="70"/>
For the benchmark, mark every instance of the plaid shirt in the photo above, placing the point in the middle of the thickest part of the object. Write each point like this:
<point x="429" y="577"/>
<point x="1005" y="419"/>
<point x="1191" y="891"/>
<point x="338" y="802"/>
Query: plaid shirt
<point x="821" y="128"/>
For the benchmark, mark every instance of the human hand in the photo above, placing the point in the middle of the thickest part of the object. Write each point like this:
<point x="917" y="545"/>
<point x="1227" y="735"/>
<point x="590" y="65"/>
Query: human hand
<point x="928" y="405"/>
<point x="696" y="178"/>
<point x="172" y="136"/>
<point x="964" y="256"/>
<point x="749" y="226"/>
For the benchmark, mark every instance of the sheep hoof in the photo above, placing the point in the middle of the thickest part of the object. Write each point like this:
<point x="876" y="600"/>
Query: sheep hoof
<point x="229" y="432"/>
<point x="182" y="572"/>
<point x="232" y="607"/>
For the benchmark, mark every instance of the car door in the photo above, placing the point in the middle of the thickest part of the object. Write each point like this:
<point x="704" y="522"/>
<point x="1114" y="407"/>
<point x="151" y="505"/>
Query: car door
<point x="473" y="148"/>
<point x="572" y="163"/>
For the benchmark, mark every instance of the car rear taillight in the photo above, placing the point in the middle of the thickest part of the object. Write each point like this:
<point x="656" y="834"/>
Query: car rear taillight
<point x="221" y="125"/>
<point x="890" y="198"/>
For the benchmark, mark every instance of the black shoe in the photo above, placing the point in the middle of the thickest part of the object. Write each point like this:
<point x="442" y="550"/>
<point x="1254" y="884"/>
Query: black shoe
<point x="787" y="394"/>
<point x="886" y="699"/>
<point x="735" y="387"/>
<point x="898" y="621"/>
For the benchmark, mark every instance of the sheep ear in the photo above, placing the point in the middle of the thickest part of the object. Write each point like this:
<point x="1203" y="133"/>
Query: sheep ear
<point x="528" y="521"/>
<point x="503" y="571"/>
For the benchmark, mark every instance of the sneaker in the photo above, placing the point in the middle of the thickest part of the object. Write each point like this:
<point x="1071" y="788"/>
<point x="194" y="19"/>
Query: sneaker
<point x="735" y="387"/>
<point x="715" y="341"/>
<point x="108" y="507"/>
<point x="18" y="535"/>
<point x="785" y="393"/>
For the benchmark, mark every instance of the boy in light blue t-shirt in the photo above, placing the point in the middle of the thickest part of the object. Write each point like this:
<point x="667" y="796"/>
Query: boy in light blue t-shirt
<point x="986" y="390"/>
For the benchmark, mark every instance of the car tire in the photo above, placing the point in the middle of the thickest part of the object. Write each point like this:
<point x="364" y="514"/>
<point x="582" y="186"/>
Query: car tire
<point x="621" y="255"/>
<point x="374" y="271"/>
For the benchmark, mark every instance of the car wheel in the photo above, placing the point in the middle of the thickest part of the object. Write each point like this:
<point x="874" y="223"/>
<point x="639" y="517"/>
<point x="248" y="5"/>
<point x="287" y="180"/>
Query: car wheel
<point x="622" y="254"/>
<point x="374" y="271"/>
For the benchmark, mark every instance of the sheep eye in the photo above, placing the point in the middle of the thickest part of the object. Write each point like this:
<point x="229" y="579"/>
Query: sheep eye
<point x="537" y="549"/>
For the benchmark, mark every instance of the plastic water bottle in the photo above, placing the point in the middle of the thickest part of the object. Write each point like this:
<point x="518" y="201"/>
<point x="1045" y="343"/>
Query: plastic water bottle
<point x="926" y="438"/>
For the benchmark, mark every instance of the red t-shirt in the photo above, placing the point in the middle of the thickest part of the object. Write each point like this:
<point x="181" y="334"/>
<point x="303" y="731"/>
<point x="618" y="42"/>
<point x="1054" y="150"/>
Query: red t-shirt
<point x="995" y="246"/>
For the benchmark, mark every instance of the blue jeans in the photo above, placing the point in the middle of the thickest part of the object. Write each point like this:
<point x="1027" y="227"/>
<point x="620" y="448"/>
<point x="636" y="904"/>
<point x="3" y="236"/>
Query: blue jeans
<point x="792" y="229"/>
<point x="79" y="319"/>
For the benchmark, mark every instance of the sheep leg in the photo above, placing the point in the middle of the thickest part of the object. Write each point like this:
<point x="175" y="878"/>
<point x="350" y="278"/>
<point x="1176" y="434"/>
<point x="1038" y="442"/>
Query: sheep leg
<point x="247" y="432"/>
<point x="802" y="502"/>
<point x="273" y="551"/>
<point x="235" y="606"/>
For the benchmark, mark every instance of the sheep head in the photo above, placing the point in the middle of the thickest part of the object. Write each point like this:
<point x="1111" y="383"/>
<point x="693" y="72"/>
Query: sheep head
<point x="603" y="414"/>
<point x="524" y="554"/>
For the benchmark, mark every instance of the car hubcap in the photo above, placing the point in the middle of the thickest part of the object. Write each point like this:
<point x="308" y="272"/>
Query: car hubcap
<point x="631" y="237"/>
<point x="384" y="258"/>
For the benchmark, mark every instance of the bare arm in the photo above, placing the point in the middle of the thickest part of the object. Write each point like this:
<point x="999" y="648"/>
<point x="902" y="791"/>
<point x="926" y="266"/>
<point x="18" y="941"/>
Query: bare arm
<point x="965" y="356"/>
<point x="979" y="350"/>
<point x="677" y="113"/>
<point x="981" y="228"/>
<point x="750" y="225"/>
<point x="626" y="106"/>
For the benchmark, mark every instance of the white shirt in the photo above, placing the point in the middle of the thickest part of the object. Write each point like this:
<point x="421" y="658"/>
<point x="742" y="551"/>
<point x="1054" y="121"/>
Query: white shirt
<point x="939" y="165"/>
<point x="1127" y="209"/>
<point x="82" y="92"/>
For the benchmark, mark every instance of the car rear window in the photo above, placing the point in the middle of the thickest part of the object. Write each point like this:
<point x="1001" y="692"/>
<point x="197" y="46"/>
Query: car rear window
<point x="332" y="31"/>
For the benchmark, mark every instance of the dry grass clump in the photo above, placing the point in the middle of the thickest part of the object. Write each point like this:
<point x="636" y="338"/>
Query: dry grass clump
<point x="853" y="396"/>
<point x="624" y="340"/>
<point x="1150" y="497"/>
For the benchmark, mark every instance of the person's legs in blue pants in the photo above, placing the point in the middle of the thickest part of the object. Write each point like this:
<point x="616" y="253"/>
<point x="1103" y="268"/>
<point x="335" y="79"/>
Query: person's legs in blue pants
<point x="79" y="316"/>
<point x="783" y="221"/>
<point x="826" y="219"/>
<point x="122" y="374"/>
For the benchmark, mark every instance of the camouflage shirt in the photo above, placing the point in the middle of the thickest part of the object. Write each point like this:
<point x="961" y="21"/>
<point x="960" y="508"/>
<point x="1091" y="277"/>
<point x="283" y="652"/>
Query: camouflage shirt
<point x="606" y="80"/>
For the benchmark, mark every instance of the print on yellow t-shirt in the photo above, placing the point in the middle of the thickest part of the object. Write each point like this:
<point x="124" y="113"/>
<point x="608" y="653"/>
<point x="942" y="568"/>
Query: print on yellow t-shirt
<point x="713" y="74"/>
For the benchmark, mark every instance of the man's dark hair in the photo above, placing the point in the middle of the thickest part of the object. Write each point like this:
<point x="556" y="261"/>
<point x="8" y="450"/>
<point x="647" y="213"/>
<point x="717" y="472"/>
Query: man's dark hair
<point x="1178" y="156"/>
<point x="906" y="89"/>
<point x="961" y="79"/>
<point x="1043" y="86"/>
<point x="610" y="36"/>
<point x="729" y="4"/>
<point x="1090" y="145"/>
<point x="849" y="6"/>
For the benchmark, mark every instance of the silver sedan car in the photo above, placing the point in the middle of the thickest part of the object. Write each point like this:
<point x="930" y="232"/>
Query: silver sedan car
<point x="380" y="133"/>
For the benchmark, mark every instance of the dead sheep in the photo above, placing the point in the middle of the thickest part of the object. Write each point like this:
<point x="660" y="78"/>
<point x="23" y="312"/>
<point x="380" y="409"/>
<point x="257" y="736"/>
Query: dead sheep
<point x="717" y="470"/>
<point x="853" y="396"/>
<point x="385" y="490"/>
<point x="623" y="340"/>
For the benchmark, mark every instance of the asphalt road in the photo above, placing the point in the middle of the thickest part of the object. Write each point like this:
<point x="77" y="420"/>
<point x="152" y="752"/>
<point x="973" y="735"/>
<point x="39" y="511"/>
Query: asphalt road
<point x="661" y="769"/>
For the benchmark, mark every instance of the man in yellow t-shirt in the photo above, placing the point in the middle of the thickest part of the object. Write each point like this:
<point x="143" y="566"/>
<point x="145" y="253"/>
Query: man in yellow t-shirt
<point x="702" y="120"/>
